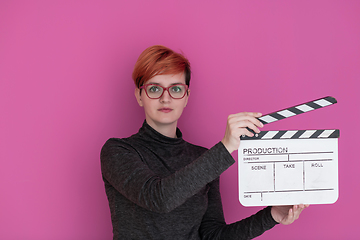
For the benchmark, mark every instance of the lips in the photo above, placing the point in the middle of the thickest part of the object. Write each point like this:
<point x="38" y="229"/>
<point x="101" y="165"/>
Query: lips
<point x="165" y="110"/>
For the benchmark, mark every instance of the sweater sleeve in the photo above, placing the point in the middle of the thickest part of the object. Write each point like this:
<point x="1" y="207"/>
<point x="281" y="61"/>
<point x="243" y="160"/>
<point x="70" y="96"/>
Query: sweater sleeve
<point x="123" y="168"/>
<point x="213" y="225"/>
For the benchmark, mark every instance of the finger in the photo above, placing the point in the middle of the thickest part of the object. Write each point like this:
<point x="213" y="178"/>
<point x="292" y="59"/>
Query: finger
<point x="243" y="128"/>
<point x="253" y="114"/>
<point x="245" y="121"/>
<point x="252" y="127"/>
<point x="298" y="210"/>
<point x="240" y="129"/>
<point x="244" y="124"/>
<point x="292" y="212"/>
<point x="290" y="217"/>
<point x="247" y="132"/>
<point x="302" y="206"/>
<point x="252" y="119"/>
<point x="247" y="114"/>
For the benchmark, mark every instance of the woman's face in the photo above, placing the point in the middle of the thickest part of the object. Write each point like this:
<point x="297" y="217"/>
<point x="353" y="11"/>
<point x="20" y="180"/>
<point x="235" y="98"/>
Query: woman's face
<point x="164" y="111"/>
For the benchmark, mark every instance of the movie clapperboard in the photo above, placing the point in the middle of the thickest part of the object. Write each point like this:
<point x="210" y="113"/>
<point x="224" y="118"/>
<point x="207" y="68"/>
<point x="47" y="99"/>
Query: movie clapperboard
<point x="289" y="167"/>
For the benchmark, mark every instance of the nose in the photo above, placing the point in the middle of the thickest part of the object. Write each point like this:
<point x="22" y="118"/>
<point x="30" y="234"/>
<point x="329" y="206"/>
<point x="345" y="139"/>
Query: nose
<point x="166" y="96"/>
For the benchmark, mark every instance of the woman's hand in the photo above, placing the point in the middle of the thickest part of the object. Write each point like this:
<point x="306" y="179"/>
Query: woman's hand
<point x="287" y="214"/>
<point x="237" y="125"/>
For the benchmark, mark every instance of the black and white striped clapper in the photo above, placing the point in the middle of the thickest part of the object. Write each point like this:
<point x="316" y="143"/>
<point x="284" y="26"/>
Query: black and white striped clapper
<point x="293" y="111"/>
<point x="289" y="167"/>
<point x="296" y="110"/>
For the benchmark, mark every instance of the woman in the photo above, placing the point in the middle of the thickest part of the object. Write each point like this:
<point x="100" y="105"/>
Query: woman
<point x="162" y="187"/>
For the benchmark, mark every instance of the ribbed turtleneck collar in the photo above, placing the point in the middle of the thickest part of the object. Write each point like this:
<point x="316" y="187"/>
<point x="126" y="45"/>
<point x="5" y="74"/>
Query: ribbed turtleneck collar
<point x="147" y="131"/>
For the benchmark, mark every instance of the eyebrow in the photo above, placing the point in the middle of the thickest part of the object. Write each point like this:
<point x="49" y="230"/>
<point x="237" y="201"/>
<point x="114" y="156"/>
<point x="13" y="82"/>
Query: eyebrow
<point x="160" y="84"/>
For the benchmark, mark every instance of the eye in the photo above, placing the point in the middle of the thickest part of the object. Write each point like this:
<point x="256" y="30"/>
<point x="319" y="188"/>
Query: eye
<point x="153" y="89"/>
<point x="177" y="88"/>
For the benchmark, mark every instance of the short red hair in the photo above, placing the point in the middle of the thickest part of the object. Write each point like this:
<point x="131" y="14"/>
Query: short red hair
<point x="158" y="60"/>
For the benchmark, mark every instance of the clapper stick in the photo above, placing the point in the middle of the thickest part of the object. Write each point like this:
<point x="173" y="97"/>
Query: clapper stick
<point x="298" y="109"/>
<point x="293" y="111"/>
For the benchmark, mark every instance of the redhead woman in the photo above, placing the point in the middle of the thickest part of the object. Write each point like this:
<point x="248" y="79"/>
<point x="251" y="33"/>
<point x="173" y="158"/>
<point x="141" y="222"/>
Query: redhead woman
<point x="161" y="187"/>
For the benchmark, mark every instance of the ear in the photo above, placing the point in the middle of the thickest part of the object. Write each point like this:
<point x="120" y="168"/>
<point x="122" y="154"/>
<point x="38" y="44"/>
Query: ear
<point x="138" y="97"/>
<point x="187" y="97"/>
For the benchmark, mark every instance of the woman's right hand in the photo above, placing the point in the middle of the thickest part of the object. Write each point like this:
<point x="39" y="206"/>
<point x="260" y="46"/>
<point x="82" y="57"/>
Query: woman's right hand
<point x="237" y="125"/>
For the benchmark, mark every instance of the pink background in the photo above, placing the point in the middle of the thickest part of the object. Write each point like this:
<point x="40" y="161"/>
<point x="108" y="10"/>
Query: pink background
<point x="65" y="88"/>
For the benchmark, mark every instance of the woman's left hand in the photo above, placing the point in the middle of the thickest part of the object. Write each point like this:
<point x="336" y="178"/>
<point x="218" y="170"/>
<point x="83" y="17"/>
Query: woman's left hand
<point x="287" y="214"/>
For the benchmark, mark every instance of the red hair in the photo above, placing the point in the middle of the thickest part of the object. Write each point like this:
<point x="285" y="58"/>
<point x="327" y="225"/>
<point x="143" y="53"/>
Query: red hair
<point x="158" y="60"/>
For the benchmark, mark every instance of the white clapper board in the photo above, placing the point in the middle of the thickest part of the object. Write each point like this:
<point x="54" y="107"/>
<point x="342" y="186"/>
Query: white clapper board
<point x="289" y="167"/>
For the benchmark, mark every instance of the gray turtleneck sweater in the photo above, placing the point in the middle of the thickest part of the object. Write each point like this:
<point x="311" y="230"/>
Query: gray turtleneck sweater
<point x="166" y="188"/>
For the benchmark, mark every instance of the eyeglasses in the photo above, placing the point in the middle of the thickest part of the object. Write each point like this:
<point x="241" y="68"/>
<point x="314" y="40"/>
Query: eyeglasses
<point x="154" y="91"/>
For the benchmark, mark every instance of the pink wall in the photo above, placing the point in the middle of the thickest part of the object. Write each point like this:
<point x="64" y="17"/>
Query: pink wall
<point x="65" y="87"/>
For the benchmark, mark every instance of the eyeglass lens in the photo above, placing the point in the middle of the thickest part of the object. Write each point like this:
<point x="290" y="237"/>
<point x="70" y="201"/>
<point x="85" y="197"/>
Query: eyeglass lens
<point x="175" y="91"/>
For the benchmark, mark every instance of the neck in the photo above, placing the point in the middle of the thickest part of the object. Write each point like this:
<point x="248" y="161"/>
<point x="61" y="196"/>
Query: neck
<point x="168" y="130"/>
